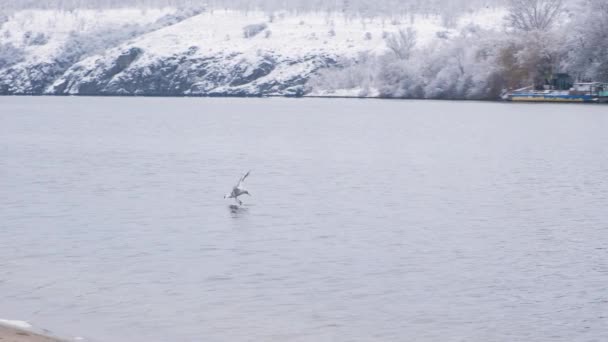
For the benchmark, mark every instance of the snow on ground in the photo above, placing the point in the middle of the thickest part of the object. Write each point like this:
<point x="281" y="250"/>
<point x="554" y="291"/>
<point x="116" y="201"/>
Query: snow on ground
<point x="222" y="31"/>
<point x="488" y="18"/>
<point x="293" y="35"/>
<point x="16" y="324"/>
<point x="58" y="25"/>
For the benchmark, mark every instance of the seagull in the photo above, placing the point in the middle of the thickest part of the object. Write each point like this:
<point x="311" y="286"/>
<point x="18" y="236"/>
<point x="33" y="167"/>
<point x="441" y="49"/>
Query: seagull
<point x="238" y="190"/>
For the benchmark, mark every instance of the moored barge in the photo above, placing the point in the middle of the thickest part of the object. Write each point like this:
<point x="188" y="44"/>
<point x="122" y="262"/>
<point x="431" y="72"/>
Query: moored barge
<point x="591" y="92"/>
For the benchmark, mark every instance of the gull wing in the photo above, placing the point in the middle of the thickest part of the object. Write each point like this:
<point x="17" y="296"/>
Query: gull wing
<point x="243" y="179"/>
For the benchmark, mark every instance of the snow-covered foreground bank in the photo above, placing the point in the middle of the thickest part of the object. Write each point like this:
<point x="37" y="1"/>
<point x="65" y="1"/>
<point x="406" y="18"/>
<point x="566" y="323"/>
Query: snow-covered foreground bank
<point x="21" y="331"/>
<point x="197" y="52"/>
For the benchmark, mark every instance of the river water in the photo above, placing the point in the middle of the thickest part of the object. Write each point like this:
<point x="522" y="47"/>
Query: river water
<point x="369" y="220"/>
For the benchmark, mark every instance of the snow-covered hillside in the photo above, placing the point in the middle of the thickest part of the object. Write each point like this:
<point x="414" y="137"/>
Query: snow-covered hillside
<point x="195" y="52"/>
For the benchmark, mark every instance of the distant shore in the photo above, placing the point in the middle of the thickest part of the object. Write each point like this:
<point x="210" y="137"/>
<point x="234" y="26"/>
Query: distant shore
<point x="327" y="97"/>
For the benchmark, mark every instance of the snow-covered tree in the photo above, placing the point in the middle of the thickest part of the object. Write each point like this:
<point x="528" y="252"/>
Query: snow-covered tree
<point x="586" y="45"/>
<point x="534" y="15"/>
<point x="402" y="42"/>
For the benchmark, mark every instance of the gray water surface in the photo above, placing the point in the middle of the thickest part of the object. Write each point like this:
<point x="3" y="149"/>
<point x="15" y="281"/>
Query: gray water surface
<point x="369" y="221"/>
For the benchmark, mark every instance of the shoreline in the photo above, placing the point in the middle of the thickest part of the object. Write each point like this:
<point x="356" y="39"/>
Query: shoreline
<point x="328" y="97"/>
<point x="14" y="333"/>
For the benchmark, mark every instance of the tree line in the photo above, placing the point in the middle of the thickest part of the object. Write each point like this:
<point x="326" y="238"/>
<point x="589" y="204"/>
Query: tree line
<point x="540" y="39"/>
<point x="354" y="7"/>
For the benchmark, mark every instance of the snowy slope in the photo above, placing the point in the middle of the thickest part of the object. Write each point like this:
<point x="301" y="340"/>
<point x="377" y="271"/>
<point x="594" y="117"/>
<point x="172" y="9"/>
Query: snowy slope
<point x="164" y="52"/>
<point x="57" y="26"/>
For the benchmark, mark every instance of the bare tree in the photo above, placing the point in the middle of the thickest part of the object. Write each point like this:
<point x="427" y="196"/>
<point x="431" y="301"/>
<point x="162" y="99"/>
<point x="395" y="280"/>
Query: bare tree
<point x="402" y="43"/>
<point x="534" y="15"/>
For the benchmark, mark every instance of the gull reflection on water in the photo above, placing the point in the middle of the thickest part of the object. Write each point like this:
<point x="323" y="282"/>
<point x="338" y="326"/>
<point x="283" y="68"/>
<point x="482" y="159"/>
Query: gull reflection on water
<point x="237" y="211"/>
